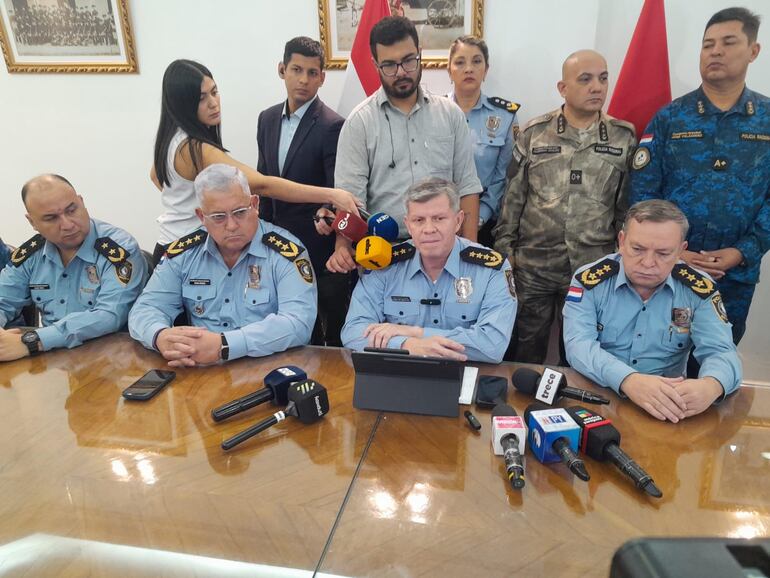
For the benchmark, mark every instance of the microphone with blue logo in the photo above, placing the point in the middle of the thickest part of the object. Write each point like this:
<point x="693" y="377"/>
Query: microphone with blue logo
<point x="554" y="437"/>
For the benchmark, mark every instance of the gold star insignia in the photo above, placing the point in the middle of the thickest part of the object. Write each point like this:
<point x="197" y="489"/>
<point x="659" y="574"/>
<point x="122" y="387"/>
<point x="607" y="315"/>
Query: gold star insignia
<point x="607" y="268"/>
<point x="271" y="239"/>
<point x="683" y="272"/>
<point x="197" y="237"/>
<point x="104" y="245"/>
<point x="691" y="277"/>
<point x="23" y="251"/>
<point x="599" y="272"/>
<point x="112" y="251"/>
<point x="33" y="244"/>
<point x="699" y="283"/>
<point x="591" y="276"/>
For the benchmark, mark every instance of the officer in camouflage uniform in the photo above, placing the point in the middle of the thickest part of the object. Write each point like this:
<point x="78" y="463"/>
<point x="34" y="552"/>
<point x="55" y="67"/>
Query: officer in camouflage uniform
<point x="711" y="143"/>
<point x="565" y="200"/>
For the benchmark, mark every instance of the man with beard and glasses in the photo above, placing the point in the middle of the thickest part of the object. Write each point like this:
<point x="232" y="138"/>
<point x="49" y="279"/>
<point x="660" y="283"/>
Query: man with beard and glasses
<point x="400" y="136"/>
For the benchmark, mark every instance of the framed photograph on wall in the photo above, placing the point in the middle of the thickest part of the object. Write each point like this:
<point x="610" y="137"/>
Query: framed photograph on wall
<point x="438" y="23"/>
<point x="66" y="36"/>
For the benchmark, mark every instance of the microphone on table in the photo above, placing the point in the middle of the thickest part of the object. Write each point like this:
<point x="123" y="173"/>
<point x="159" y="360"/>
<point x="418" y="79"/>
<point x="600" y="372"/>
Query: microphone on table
<point x="373" y="253"/>
<point x="308" y="401"/>
<point x="554" y="436"/>
<point x="276" y="388"/>
<point x="383" y="225"/>
<point x="601" y="440"/>
<point x="550" y="385"/>
<point x="509" y="439"/>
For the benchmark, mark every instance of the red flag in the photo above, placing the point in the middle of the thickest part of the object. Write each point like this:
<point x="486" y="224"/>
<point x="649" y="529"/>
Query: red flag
<point x="362" y="78"/>
<point x="644" y="84"/>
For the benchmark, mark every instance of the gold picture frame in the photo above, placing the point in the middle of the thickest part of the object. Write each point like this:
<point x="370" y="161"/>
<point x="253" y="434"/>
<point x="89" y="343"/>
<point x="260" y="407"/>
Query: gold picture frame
<point x="72" y="36"/>
<point x="438" y="23"/>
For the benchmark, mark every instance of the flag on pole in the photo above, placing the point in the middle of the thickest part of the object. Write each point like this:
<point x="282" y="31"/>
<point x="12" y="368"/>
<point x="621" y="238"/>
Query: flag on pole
<point x="644" y="83"/>
<point x="361" y="77"/>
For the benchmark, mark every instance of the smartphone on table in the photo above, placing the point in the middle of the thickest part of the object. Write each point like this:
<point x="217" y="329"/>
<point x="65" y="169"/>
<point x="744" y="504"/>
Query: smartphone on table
<point x="149" y="384"/>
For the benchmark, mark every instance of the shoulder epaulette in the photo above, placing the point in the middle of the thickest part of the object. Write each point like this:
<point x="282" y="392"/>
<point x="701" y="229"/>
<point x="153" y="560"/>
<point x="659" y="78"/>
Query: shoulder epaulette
<point x="622" y="124"/>
<point x="504" y="104"/>
<point x="538" y="120"/>
<point x="116" y="255"/>
<point x="280" y="244"/>
<point x="597" y="273"/>
<point x="482" y="256"/>
<point x="187" y="242"/>
<point x="701" y="285"/>
<point x="27" y="249"/>
<point x="402" y="252"/>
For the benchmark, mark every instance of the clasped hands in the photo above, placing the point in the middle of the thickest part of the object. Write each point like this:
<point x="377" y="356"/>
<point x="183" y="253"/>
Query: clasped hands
<point x="187" y="346"/>
<point x="379" y="334"/>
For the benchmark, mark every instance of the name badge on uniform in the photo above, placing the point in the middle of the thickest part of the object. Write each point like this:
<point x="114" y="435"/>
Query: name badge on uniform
<point x="681" y="317"/>
<point x="93" y="276"/>
<point x="493" y="123"/>
<point x="463" y="289"/>
<point x="255" y="275"/>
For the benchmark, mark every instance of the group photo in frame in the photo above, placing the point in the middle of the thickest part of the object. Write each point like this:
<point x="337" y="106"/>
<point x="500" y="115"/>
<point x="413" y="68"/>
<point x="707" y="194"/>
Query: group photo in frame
<point x="438" y="23"/>
<point x="66" y="36"/>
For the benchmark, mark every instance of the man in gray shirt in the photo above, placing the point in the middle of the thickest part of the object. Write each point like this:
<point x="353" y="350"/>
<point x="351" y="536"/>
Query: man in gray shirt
<point x="402" y="135"/>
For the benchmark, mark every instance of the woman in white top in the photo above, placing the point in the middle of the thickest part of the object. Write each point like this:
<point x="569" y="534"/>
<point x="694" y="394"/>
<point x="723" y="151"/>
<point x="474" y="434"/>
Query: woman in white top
<point x="189" y="139"/>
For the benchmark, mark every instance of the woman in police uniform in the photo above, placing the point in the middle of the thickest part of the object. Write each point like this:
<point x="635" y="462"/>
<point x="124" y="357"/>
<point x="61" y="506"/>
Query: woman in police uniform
<point x="493" y="125"/>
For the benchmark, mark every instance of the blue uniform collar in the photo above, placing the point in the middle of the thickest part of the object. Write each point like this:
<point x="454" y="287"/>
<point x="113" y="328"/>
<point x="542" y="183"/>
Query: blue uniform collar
<point x="621" y="279"/>
<point x="452" y="265"/>
<point x="483" y="102"/>
<point x="86" y="252"/>
<point x="746" y="104"/>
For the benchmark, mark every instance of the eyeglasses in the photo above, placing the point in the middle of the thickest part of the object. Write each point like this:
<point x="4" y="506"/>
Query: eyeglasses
<point x="221" y="218"/>
<point x="409" y="64"/>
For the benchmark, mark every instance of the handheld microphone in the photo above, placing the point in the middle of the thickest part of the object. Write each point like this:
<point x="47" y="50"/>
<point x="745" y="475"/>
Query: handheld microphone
<point x="601" y="440"/>
<point x="509" y="440"/>
<point x="373" y="253"/>
<point x="550" y="385"/>
<point x="383" y="225"/>
<point x="350" y="226"/>
<point x="554" y="436"/>
<point x="276" y="388"/>
<point x="308" y="401"/>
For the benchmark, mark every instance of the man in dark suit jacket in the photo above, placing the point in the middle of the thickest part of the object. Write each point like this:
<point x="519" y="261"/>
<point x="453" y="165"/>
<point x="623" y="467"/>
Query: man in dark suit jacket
<point x="297" y="140"/>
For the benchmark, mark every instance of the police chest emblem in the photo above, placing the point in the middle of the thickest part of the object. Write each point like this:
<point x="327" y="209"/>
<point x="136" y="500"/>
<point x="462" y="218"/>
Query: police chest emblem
<point x="681" y="317"/>
<point x="511" y="283"/>
<point x="641" y="158"/>
<point x="93" y="276"/>
<point x="255" y="274"/>
<point x="463" y="289"/>
<point x="305" y="269"/>
<point x="493" y="123"/>
<point x="719" y="307"/>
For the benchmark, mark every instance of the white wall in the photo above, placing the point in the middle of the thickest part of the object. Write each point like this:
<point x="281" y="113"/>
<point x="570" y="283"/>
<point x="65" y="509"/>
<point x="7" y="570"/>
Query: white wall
<point x="98" y="130"/>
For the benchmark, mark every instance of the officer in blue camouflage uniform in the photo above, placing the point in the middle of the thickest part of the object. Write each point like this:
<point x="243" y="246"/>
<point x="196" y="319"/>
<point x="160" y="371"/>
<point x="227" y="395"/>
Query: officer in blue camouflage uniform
<point x="709" y="152"/>
<point x="81" y="274"/>
<point x="492" y="123"/>
<point x="442" y="296"/>
<point x="246" y="285"/>
<point x="631" y="320"/>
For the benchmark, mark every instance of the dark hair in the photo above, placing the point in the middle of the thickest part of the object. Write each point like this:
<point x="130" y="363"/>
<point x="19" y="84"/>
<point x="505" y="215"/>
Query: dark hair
<point x="26" y="187"/>
<point x="470" y="40"/>
<point x="306" y="47"/>
<point x="747" y="18"/>
<point x="181" y="97"/>
<point x="390" y="30"/>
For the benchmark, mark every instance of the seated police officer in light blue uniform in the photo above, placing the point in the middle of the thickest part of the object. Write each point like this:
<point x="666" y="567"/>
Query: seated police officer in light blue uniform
<point x="631" y="319"/>
<point x="246" y="285"/>
<point x="81" y="274"/>
<point x="442" y="296"/>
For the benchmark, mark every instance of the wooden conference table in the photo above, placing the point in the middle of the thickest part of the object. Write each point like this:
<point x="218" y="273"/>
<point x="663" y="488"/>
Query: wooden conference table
<point x="91" y="485"/>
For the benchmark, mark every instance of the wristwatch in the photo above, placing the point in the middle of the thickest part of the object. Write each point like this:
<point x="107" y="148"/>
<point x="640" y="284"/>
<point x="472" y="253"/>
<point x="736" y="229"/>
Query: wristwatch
<point x="32" y="340"/>
<point x="224" y="351"/>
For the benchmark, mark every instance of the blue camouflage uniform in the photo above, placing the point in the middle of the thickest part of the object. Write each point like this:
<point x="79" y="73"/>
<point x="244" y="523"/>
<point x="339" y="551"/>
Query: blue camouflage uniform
<point x="88" y="298"/>
<point x="610" y="333"/>
<point x="266" y="303"/>
<point x="715" y="166"/>
<point x="5" y="255"/>
<point x="473" y="301"/>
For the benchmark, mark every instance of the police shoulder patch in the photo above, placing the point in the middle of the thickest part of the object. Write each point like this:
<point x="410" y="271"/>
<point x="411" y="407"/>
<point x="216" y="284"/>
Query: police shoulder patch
<point x="595" y="274"/>
<point x="280" y="244"/>
<point x="641" y="158"/>
<point x="504" y="104"/>
<point x="719" y="307"/>
<point x="27" y="249"/>
<point x="305" y="269"/>
<point x="700" y="284"/>
<point x="482" y="256"/>
<point x="402" y="252"/>
<point x="187" y="242"/>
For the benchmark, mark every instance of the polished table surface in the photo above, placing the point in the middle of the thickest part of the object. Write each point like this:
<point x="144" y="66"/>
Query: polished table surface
<point x="92" y="485"/>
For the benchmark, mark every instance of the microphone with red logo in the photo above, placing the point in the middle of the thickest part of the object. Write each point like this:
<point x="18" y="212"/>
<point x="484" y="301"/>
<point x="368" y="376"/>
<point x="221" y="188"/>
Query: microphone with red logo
<point x="549" y="386"/>
<point x="308" y="401"/>
<point x="601" y="440"/>
<point x="508" y="439"/>
<point x="351" y="226"/>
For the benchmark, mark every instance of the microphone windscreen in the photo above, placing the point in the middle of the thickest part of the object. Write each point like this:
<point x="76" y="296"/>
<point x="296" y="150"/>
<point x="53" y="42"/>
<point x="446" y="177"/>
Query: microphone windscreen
<point x="350" y="226"/>
<point x="525" y="380"/>
<point x="503" y="409"/>
<point x="383" y="225"/>
<point x="373" y="253"/>
<point x="537" y="406"/>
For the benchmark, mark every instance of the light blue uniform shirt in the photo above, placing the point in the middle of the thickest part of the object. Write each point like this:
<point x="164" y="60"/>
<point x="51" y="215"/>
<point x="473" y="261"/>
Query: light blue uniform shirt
<point x="81" y="301"/>
<point x="289" y="124"/>
<point x="492" y="139"/>
<point x="263" y="304"/>
<point x="476" y="304"/>
<point x="610" y="333"/>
